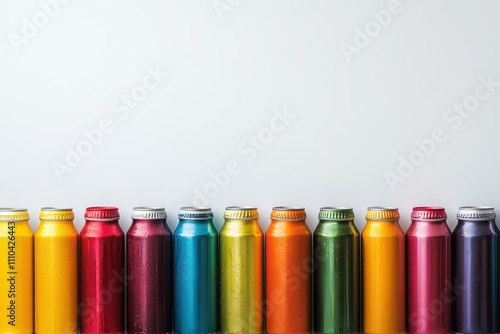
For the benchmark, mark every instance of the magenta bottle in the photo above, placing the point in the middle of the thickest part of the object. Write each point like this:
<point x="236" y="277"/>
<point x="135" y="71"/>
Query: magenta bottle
<point x="429" y="282"/>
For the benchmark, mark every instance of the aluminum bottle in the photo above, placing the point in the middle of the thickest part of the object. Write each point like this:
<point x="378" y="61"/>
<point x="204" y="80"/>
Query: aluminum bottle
<point x="195" y="272"/>
<point x="337" y="272"/>
<point x="56" y="273"/>
<point x="241" y="272"/>
<point x="16" y="271"/>
<point x="475" y="271"/>
<point x="383" y="251"/>
<point x="288" y="272"/>
<point x="428" y="260"/>
<point x="102" y="272"/>
<point x="149" y="272"/>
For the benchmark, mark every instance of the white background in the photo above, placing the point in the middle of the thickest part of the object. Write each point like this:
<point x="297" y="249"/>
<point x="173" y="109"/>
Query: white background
<point x="230" y="68"/>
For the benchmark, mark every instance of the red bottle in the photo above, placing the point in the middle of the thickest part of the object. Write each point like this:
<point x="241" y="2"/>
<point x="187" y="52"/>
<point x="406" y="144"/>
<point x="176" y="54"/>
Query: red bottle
<point x="102" y="272"/>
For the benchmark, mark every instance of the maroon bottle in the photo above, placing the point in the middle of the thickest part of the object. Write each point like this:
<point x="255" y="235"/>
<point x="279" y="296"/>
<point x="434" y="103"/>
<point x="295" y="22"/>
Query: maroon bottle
<point x="101" y="272"/>
<point x="149" y="272"/>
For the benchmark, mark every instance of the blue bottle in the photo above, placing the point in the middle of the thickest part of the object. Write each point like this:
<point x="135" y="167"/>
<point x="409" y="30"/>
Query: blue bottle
<point x="195" y="272"/>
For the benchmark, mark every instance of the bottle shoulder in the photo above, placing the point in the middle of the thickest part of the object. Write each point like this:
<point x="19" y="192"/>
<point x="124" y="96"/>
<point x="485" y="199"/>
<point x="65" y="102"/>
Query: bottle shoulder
<point x="284" y="228"/>
<point x="336" y="228"/>
<point x="428" y="229"/>
<point x="94" y="229"/>
<point x="383" y="228"/>
<point x="476" y="228"/>
<point x="19" y="228"/>
<point x="241" y="228"/>
<point x="190" y="227"/>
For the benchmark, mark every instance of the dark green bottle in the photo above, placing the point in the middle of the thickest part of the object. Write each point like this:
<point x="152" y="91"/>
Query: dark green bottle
<point x="336" y="274"/>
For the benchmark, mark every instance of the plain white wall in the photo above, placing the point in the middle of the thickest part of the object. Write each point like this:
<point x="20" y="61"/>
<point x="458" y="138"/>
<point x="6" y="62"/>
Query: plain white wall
<point x="356" y="86"/>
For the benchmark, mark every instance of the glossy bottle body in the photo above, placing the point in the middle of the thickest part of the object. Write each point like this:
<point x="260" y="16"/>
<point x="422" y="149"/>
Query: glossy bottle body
<point x="102" y="281"/>
<point x="383" y="258"/>
<point x="336" y="251"/>
<point x="16" y="275"/>
<point x="241" y="273"/>
<point x="149" y="273"/>
<point x="475" y="272"/>
<point x="428" y="245"/>
<point x="195" y="272"/>
<point x="56" y="273"/>
<point x="288" y="272"/>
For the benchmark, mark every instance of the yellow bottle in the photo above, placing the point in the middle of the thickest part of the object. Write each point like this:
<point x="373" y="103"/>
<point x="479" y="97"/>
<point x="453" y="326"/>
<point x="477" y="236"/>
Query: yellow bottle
<point x="383" y="249"/>
<point x="16" y="272"/>
<point x="56" y="273"/>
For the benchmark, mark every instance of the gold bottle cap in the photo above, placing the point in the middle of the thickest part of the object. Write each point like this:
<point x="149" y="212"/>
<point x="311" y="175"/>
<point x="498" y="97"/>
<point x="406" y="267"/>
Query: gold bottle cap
<point x="290" y="213"/>
<point x="382" y="213"/>
<point x="49" y="213"/>
<point x="241" y="212"/>
<point x="14" y="214"/>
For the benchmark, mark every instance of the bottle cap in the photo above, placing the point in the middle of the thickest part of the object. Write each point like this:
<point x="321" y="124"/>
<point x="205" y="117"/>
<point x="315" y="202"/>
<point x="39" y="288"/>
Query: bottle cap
<point x="49" y="213"/>
<point x="428" y="213"/>
<point x="336" y="213"/>
<point x="290" y="213"/>
<point x="13" y="215"/>
<point x="382" y="213"/>
<point x="148" y="212"/>
<point x="241" y="213"/>
<point x="102" y="213"/>
<point x="476" y="213"/>
<point x="196" y="213"/>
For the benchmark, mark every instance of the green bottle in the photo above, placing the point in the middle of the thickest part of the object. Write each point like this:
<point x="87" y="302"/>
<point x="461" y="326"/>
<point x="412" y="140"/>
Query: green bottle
<point x="336" y="272"/>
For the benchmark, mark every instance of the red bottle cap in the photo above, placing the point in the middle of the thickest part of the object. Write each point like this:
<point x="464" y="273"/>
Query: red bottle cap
<point x="428" y="213"/>
<point x="102" y="213"/>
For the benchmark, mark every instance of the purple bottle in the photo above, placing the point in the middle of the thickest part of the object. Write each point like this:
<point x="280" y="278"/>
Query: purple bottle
<point x="475" y="271"/>
<point x="149" y="272"/>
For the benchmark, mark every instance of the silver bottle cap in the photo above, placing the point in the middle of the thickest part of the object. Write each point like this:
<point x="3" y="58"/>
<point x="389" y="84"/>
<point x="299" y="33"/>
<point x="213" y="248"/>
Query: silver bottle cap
<point x="196" y="213"/>
<point x="146" y="213"/>
<point x="476" y="213"/>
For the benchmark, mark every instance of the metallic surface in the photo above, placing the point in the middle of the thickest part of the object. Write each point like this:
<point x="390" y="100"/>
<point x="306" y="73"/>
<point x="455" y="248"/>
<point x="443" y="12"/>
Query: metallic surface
<point x="428" y="256"/>
<point x="149" y="272"/>
<point x="475" y="272"/>
<point x="288" y="272"/>
<point x="102" y="272"/>
<point x="383" y="272"/>
<point x="241" y="272"/>
<point x="336" y="251"/>
<point x="195" y="272"/>
<point x="16" y="272"/>
<point x="56" y="273"/>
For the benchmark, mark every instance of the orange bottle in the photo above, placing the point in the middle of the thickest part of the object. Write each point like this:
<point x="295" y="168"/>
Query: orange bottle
<point x="288" y="272"/>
